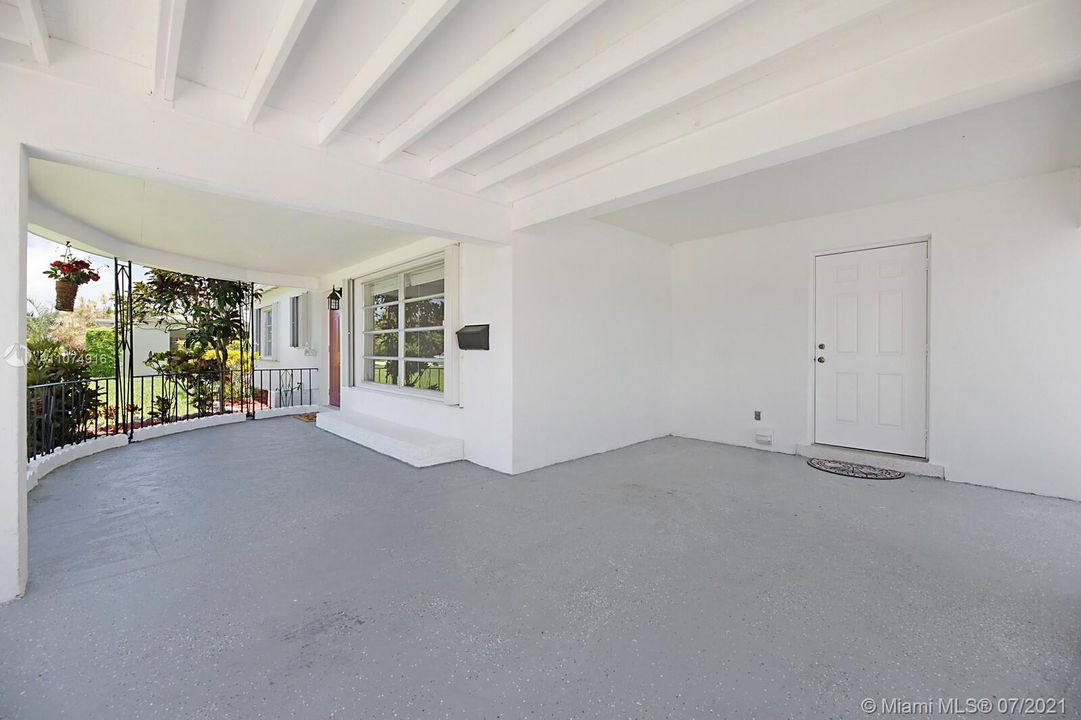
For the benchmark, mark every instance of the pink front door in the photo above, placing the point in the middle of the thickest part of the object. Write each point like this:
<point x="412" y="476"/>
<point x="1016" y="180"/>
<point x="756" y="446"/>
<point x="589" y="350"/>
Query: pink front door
<point x="335" y="359"/>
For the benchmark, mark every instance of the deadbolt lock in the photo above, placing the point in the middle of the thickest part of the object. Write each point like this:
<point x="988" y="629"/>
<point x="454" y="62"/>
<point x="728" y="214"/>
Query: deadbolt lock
<point x="821" y="346"/>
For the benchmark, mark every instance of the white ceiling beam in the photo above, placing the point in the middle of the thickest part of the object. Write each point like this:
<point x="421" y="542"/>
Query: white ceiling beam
<point x="422" y="17"/>
<point x="747" y="52"/>
<point x="283" y="36"/>
<point x="684" y="21"/>
<point x="1022" y="51"/>
<point x="167" y="56"/>
<point x="36" y="31"/>
<point x="534" y="33"/>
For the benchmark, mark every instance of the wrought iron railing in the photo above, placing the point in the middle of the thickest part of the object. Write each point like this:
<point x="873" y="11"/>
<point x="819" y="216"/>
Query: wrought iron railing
<point x="284" y="387"/>
<point x="72" y="412"/>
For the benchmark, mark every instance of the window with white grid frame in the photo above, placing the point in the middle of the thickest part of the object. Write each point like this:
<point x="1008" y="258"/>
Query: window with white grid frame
<point x="264" y="332"/>
<point x="404" y="316"/>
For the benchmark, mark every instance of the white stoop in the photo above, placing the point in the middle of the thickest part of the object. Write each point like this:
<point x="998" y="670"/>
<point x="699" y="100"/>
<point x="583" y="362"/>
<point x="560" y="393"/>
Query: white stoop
<point x="419" y="448"/>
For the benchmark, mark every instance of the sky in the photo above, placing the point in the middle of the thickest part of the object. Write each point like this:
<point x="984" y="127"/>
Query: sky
<point x="42" y="290"/>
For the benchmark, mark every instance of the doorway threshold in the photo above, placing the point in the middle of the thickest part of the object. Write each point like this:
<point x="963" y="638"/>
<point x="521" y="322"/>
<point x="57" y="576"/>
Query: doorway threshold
<point x="909" y="465"/>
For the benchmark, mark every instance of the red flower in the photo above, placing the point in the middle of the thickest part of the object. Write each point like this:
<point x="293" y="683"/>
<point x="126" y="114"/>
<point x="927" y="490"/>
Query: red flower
<point x="56" y="263"/>
<point x="65" y="268"/>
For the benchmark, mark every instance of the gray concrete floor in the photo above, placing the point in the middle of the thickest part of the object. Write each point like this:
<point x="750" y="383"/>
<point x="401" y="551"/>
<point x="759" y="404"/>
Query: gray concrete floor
<point x="272" y="570"/>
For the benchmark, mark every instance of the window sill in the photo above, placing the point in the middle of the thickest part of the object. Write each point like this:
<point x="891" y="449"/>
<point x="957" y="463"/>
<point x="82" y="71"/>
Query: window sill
<point x="400" y="391"/>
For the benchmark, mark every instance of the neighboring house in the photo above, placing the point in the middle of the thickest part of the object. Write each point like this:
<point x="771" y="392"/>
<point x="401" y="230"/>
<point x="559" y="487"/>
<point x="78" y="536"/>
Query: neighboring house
<point x="285" y="340"/>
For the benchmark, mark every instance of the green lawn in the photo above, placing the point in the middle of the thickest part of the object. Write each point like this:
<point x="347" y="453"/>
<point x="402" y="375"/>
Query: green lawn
<point x="430" y="378"/>
<point x="149" y="388"/>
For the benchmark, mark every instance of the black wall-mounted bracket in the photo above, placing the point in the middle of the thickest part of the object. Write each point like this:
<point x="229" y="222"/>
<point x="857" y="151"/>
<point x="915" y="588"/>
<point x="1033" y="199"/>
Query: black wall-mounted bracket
<point x="473" y="337"/>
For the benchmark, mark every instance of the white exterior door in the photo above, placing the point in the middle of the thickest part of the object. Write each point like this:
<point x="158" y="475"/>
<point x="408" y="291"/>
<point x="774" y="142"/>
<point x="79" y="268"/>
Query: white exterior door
<point x="870" y="354"/>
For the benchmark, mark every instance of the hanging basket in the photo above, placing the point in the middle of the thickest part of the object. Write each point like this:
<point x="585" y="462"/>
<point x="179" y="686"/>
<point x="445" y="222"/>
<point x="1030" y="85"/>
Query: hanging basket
<point x="66" y="291"/>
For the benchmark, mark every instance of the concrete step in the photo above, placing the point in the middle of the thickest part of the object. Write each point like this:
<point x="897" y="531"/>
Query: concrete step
<point x="418" y="448"/>
<point x="912" y="466"/>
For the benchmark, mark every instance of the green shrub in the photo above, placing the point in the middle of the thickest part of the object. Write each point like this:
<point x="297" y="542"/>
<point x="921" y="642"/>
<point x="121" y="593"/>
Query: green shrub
<point x="198" y="371"/>
<point x="100" y="347"/>
<point x="60" y="402"/>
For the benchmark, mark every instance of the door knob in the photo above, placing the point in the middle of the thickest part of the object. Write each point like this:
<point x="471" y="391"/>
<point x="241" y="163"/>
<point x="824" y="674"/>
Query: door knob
<point x="820" y="359"/>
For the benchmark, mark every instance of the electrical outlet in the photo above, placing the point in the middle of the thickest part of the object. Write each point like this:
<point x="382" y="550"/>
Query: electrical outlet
<point x="757" y="414"/>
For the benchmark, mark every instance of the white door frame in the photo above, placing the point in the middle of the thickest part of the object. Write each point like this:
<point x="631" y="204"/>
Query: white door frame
<point x="812" y="337"/>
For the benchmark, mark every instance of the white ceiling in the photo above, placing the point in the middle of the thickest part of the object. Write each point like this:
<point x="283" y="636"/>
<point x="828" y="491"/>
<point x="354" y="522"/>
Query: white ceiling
<point x="207" y="226"/>
<point x="214" y="54"/>
<point x="119" y="28"/>
<point x="554" y="109"/>
<point x="1033" y="134"/>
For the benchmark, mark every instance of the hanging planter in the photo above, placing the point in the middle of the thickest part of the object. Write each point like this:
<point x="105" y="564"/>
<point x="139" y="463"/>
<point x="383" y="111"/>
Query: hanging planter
<point x="69" y="273"/>
<point x="66" y="290"/>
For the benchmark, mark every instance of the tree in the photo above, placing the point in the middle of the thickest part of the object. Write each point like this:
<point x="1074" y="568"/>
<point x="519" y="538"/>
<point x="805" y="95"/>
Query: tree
<point x="212" y="311"/>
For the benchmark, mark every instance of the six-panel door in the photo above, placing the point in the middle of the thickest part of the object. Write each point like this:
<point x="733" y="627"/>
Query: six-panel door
<point x="870" y="353"/>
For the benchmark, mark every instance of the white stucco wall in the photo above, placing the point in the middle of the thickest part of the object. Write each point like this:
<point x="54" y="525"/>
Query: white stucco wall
<point x="482" y="418"/>
<point x="586" y="368"/>
<point x="310" y="354"/>
<point x="1004" y="384"/>
<point x="592" y="339"/>
<point x="286" y="356"/>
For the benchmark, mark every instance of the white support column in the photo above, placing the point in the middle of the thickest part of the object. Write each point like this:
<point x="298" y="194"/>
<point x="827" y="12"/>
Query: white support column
<point x="13" y="531"/>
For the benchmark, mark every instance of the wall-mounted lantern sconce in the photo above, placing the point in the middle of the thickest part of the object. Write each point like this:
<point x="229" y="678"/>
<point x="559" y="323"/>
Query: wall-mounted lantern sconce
<point x="334" y="300"/>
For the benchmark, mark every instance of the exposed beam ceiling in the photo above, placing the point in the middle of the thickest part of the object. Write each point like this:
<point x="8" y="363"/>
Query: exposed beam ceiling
<point x="537" y="31"/>
<point x="1023" y="137"/>
<point x="36" y="31"/>
<point x="418" y="22"/>
<point x="291" y="19"/>
<point x="1030" y="48"/>
<point x="895" y="29"/>
<point x="805" y="26"/>
<point x="476" y="118"/>
<point x="665" y="32"/>
<point x="155" y="141"/>
<point x="167" y="56"/>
